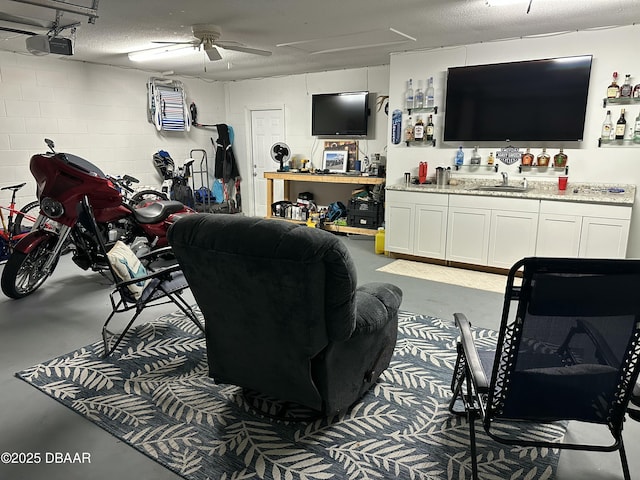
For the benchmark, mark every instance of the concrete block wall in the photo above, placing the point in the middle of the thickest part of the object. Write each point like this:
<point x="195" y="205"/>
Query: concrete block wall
<point x="93" y="111"/>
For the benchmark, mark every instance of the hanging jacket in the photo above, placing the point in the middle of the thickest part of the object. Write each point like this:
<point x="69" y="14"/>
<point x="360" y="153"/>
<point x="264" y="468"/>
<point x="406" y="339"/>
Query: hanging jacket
<point x="226" y="166"/>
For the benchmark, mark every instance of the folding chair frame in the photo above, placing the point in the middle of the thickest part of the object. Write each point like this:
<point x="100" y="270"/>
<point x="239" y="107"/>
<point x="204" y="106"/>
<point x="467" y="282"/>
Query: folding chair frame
<point x="478" y="394"/>
<point x="155" y="293"/>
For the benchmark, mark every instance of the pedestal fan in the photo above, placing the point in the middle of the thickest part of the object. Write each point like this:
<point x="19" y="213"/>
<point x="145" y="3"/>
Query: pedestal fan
<point x="281" y="153"/>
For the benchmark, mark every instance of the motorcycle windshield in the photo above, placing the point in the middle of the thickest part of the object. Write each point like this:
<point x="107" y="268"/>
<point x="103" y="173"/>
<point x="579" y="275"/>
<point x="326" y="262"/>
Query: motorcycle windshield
<point x="85" y="165"/>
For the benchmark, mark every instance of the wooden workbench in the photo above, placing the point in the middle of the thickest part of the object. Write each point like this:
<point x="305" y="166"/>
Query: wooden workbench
<point x="288" y="177"/>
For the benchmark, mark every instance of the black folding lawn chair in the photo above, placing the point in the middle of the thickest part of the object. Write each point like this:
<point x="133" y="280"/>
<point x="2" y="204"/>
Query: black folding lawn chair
<point x="568" y="350"/>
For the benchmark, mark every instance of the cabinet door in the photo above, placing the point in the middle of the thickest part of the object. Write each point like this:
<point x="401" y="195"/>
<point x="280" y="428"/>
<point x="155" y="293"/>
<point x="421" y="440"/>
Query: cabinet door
<point x="430" y="231"/>
<point x="468" y="235"/>
<point x="399" y="227"/>
<point x="512" y="237"/>
<point x="604" y="237"/>
<point x="558" y="235"/>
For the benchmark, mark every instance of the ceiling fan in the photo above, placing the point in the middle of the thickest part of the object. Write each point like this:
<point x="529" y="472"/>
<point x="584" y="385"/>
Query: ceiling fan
<point x="208" y="38"/>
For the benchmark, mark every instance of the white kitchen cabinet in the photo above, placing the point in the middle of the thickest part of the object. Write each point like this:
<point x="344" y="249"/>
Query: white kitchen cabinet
<point x="584" y="230"/>
<point x="468" y="229"/>
<point x="558" y="235"/>
<point x="399" y="225"/>
<point x="604" y="237"/>
<point x="491" y="231"/>
<point x="430" y="237"/>
<point x="513" y="234"/>
<point x="416" y="223"/>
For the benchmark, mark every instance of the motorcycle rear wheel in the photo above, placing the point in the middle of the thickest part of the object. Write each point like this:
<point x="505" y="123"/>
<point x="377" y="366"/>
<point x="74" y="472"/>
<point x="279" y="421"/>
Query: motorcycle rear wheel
<point x="23" y="273"/>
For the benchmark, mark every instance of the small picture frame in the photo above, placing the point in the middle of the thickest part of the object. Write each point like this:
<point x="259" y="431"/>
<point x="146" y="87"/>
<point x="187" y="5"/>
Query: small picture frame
<point x="335" y="160"/>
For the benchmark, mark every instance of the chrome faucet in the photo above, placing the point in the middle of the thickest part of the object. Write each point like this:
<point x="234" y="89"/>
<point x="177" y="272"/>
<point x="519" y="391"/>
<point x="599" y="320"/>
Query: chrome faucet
<point x="505" y="178"/>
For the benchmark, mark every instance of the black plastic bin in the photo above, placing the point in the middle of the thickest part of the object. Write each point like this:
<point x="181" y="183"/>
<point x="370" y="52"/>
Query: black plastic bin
<point x="365" y="214"/>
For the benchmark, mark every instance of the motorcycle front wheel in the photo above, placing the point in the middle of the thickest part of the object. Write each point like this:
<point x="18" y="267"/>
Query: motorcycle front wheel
<point x="24" y="273"/>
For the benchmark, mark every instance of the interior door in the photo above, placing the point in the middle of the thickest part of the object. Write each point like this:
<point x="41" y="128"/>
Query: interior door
<point x="267" y="128"/>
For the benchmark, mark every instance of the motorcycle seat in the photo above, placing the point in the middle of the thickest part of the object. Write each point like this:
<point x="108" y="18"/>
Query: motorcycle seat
<point x="157" y="211"/>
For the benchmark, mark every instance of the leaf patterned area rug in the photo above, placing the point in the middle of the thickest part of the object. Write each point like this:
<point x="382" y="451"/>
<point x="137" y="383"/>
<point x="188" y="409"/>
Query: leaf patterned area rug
<point x="155" y="395"/>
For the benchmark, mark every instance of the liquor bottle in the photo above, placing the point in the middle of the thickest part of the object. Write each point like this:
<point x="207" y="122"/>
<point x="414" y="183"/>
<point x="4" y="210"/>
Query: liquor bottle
<point x="543" y="158"/>
<point x="614" y="90"/>
<point x="418" y="130"/>
<point x="629" y="132"/>
<point x="636" y="130"/>
<point x="636" y="91"/>
<point x="527" y="158"/>
<point x="430" y="129"/>
<point x="621" y="126"/>
<point x="626" y="89"/>
<point x="475" y="157"/>
<point x="409" y="96"/>
<point x="460" y="156"/>
<point x="490" y="159"/>
<point x="430" y="94"/>
<point x="560" y="159"/>
<point x="418" y="98"/>
<point x="408" y="131"/>
<point x="607" y="128"/>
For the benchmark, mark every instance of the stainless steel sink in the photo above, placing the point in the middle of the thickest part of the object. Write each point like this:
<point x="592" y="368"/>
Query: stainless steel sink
<point x="500" y="188"/>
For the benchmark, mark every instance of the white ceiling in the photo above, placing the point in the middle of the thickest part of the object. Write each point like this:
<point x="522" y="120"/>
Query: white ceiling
<point x="354" y="33"/>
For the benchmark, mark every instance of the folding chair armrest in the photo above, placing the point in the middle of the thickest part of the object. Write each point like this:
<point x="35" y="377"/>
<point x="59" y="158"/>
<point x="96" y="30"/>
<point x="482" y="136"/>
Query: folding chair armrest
<point x="470" y="351"/>
<point x="149" y="276"/>
<point x="155" y="253"/>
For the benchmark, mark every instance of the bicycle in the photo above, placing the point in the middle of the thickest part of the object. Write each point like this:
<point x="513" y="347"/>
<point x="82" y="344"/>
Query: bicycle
<point x="14" y="229"/>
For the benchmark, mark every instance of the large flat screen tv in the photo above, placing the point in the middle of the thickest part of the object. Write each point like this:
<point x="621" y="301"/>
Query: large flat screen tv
<point x="534" y="101"/>
<point x="340" y="114"/>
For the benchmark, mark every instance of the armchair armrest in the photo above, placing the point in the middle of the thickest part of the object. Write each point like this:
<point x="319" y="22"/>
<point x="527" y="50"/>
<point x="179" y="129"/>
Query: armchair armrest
<point x="471" y="352"/>
<point x="376" y="305"/>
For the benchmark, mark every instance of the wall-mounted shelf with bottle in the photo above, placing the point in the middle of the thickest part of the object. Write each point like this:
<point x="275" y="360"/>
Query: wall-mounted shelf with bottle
<point x="617" y="143"/>
<point x="433" y="110"/>
<point x="620" y="101"/>
<point x="476" y="166"/>
<point x="423" y="143"/>
<point x="546" y="168"/>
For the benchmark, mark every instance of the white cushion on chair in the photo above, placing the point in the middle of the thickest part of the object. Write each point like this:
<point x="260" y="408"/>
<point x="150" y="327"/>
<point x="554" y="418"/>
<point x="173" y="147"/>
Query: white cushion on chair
<point x="127" y="266"/>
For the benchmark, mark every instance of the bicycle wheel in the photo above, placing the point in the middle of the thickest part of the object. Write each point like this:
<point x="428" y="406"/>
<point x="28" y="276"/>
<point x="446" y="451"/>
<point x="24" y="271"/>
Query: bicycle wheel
<point x="26" y="218"/>
<point x="141" y="198"/>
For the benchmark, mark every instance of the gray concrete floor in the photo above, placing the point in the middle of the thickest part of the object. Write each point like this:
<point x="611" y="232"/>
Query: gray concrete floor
<point x="68" y="312"/>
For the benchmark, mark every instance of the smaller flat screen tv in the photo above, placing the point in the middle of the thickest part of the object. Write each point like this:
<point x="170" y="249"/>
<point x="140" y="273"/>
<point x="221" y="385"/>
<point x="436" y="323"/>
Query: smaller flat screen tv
<point x="535" y="101"/>
<point x="340" y="114"/>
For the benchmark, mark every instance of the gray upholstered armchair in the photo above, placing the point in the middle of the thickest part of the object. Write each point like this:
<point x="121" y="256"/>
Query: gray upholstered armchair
<point x="283" y="314"/>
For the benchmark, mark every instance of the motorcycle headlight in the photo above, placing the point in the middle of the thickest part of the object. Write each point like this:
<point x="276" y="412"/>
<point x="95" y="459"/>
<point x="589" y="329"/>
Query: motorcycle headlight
<point x="51" y="207"/>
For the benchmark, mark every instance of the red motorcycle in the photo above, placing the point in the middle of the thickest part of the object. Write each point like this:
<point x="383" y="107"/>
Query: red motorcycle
<point x="63" y="181"/>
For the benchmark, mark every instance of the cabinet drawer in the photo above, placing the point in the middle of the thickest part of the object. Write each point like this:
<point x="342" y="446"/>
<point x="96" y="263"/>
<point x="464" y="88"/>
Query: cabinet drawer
<point x="585" y="209"/>
<point x="495" y="203"/>
<point x="441" y="199"/>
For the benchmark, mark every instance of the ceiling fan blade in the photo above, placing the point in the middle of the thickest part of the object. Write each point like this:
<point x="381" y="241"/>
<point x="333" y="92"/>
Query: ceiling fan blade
<point x="192" y="42"/>
<point x="213" y="53"/>
<point x="240" y="48"/>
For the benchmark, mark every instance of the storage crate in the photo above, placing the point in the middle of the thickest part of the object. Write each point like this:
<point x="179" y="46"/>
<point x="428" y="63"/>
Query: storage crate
<point x="365" y="214"/>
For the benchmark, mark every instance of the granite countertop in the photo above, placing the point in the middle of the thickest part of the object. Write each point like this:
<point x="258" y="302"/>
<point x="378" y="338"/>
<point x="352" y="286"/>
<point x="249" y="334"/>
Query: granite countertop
<point x="600" y="193"/>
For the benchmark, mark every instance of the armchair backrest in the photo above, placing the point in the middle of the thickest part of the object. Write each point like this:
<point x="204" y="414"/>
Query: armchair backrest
<point x="273" y="295"/>
<point x="569" y="341"/>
